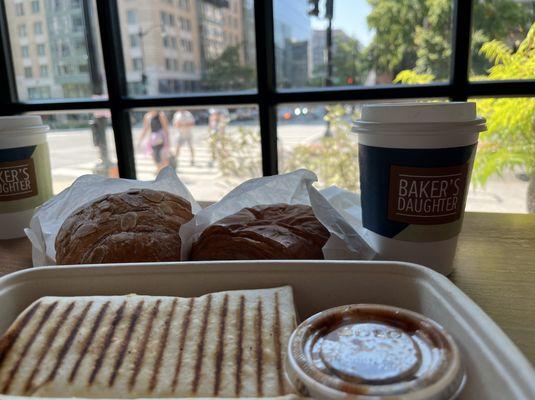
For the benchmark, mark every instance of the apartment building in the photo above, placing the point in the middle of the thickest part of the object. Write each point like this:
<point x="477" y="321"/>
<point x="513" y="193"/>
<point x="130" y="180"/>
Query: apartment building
<point x="30" y="44"/>
<point x="160" y="45"/>
<point x="166" y="44"/>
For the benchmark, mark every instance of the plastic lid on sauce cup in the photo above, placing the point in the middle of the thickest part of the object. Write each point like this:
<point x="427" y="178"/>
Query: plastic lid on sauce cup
<point x="369" y="351"/>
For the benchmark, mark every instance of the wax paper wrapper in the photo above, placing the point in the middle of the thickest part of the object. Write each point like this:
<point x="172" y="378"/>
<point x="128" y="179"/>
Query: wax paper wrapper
<point x="48" y="218"/>
<point x="348" y="206"/>
<point x="292" y="188"/>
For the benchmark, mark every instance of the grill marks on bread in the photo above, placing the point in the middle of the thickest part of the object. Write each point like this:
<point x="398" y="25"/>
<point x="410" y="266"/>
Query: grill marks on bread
<point x="223" y="344"/>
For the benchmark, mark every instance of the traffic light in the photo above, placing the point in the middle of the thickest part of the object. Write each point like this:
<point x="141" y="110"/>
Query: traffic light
<point x="329" y="6"/>
<point x="314" y="9"/>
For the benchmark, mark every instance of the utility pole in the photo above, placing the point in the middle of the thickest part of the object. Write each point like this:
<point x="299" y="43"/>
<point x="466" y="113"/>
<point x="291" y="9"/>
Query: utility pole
<point x="93" y="56"/>
<point x="329" y="5"/>
<point x="329" y="41"/>
<point x="99" y="122"/>
<point x="141" y="34"/>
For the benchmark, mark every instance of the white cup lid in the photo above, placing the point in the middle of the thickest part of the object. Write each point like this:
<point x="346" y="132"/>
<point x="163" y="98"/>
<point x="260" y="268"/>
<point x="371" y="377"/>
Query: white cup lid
<point x="20" y="122"/>
<point x="400" y="113"/>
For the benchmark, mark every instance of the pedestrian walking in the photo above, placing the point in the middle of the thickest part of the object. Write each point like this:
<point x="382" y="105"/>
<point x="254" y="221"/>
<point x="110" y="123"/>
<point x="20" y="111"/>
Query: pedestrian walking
<point x="184" y="121"/>
<point x="156" y="125"/>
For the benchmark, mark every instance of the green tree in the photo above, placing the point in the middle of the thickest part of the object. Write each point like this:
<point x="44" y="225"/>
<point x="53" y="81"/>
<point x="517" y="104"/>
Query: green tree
<point x="227" y="72"/>
<point x="497" y="20"/>
<point x="432" y="40"/>
<point x="416" y="34"/>
<point x="236" y="152"/>
<point x="348" y="63"/>
<point x="332" y="158"/>
<point x="393" y="47"/>
<point x="509" y="141"/>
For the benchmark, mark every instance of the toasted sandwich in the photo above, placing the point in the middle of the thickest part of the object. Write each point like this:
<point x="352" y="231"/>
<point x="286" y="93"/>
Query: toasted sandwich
<point x="226" y="344"/>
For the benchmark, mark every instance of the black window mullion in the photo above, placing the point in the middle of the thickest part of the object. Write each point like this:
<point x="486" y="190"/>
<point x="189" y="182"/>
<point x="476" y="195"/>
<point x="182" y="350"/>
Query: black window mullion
<point x="462" y="27"/>
<point x="8" y="89"/>
<point x="267" y="97"/>
<point x="501" y="88"/>
<point x="265" y="69"/>
<point x="112" y="51"/>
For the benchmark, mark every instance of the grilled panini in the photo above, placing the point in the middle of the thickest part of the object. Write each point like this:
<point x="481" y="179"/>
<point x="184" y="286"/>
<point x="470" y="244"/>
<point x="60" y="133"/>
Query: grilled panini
<point x="227" y="344"/>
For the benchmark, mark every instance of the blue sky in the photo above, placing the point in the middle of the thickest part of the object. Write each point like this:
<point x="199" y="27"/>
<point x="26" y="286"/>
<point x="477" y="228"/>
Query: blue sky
<point x="350" y="16"/>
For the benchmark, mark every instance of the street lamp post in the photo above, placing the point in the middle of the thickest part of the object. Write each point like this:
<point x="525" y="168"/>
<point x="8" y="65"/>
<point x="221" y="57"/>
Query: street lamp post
<point x="99" y="122"/>
<point x="141" y="34"/>
<point x="329" y="5"/>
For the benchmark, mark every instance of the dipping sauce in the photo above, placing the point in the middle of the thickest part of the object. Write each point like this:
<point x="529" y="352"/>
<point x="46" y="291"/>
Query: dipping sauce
<point x="370" y="351"/>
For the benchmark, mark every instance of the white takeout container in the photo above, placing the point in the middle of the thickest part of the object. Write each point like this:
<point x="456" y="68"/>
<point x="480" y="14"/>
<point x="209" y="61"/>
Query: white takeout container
<point x="495" y="368"/>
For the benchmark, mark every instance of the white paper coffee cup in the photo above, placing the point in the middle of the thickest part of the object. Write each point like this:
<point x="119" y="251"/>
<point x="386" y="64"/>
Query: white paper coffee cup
<point x="415" y="164"/>
<point x="25" y="177"/>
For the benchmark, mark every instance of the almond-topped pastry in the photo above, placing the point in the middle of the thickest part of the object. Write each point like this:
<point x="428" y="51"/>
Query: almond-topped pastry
<point x="139" y="225"/>
<point x="277" y="232"/>
<point x="226" y="344"/>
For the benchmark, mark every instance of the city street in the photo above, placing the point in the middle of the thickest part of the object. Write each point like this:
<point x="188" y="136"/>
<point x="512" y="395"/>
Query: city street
<point x="73" y="154"/>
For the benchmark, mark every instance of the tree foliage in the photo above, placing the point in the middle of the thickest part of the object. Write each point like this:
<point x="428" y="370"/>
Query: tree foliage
<point x="416" y="34"/>
<point x="348" y="61"/>
<point x="393" y="47"/>
<point x="236" y="152"/>
<point x="432" y="40"/>
<point x="226" y="72"/>
<point x="332" y="158"/>
<point x="509" y="141"/>
<point x="497" y="20"/>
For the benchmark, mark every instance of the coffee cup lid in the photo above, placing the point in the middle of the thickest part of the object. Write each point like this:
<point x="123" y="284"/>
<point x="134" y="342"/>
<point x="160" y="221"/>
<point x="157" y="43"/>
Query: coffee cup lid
<point x="373" y="351"/>
<point x="22" y="122"/>
<point x="432" y="112"/>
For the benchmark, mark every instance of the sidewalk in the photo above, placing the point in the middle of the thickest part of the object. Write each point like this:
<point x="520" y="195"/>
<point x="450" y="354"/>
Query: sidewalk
<point x="72" y="154"/>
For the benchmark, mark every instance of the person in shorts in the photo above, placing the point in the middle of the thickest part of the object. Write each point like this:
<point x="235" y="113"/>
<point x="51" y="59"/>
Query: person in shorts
<point x="156" y="125"/>
<point x="184" y="121"/>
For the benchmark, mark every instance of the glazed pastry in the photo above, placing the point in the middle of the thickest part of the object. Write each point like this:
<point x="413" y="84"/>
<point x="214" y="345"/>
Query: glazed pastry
<point x="139" y="225"/>
<point x="265" y="232"/>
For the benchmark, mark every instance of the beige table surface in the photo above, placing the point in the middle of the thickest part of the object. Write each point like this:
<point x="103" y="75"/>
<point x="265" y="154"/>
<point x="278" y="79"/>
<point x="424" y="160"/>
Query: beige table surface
<point x="494" y="265"/>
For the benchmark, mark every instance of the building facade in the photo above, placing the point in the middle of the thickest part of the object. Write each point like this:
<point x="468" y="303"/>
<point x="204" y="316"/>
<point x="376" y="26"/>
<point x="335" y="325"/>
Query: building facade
<point x="166" y="44"/>
<point x="160" y="46"/>
<point x="33" y="66"/>
<point x="292" y="42"/>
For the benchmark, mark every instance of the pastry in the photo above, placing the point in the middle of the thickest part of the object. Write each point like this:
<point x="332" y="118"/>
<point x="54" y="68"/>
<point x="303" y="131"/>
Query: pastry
<point x="139" y="225"/>
<point x="277" y="231"/>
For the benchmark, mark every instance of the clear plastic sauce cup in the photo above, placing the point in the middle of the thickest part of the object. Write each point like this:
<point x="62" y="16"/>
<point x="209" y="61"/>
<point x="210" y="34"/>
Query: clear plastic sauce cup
<point x="374" y="352"/>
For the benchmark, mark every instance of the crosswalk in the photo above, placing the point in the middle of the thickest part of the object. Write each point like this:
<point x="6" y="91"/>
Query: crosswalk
<point x="204" y="179"/>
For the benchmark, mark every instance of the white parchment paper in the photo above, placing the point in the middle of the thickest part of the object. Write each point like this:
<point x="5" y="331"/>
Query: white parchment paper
<point x="292" y="188"/>
<point x="48" y="218"/>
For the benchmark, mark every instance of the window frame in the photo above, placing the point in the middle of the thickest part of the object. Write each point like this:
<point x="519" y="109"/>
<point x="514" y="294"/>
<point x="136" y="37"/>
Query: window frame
<point x="266" y="96"/>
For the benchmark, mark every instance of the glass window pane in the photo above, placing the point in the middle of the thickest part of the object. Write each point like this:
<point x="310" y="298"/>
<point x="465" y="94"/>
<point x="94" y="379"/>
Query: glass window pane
<point x="212" y="149"/>
<point x="175" y="47"/>
<point x="372" y="42"/>
<point x="502" y="40"/>
<point x="503" y="179"/>
<point x="79" y="144"/>
<point x="55" y="37"/>
<point x="318" y="137"/>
